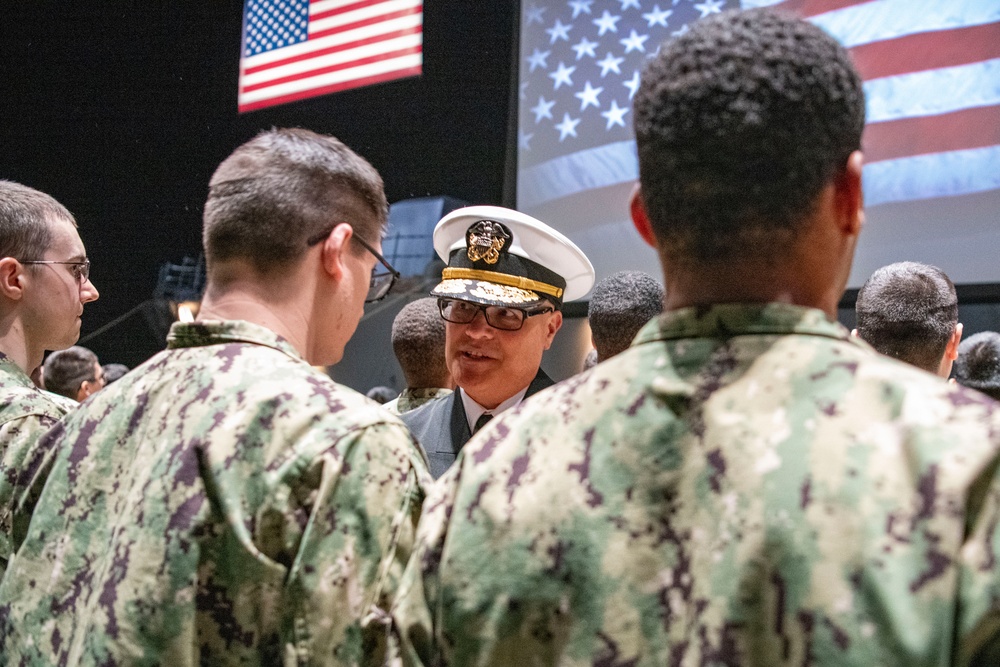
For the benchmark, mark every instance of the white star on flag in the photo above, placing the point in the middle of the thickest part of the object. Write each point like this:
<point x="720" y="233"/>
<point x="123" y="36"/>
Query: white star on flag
<point x="534" y="14"/>
<point x="524" y="140"/>
<point x="558" y="31"/>
<point x="657" y="17"/>
<point x="580" y="6"/>
<point x="562" y="76"/>
<point x="632" y="84"/>
<point x="710" y="7"/>
<point x="537" y="59"/>
<point x="588" y="96"/>
<point x="634" y="42"/>
<point x="606" y="22"/>
<point x="629" y="3"/>
<point x="567" y="127"/>
<point x="542" y="110"/>
<point x="615" y="115"/>
<point x="610" y="64"/>
<point x="585" y="48"/>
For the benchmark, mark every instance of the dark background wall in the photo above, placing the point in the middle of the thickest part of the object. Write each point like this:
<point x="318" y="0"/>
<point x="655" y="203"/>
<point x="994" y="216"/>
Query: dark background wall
<point x="122" y="109"/>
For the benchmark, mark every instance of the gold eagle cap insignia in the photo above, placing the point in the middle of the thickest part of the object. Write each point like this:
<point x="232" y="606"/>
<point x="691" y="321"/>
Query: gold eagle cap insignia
<point x="485" y="241"/>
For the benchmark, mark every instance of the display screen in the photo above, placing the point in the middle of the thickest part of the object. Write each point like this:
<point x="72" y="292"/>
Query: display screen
<point x="931" y="145"/>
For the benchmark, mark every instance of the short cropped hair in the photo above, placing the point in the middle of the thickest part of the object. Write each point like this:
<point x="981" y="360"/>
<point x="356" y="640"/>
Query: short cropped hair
<point x="66" y="370"/>
<point x="740" y="123"/>
<point x="114" y="372"/>
<point x="382" y="394"/>
<point x="908" y="311"/>
<point x="622" y="304"/>
<point x="280" y="191"/>
<point x="418" y="343"/>
<point x="25" y="221"/>
<point x="978" y="363"/>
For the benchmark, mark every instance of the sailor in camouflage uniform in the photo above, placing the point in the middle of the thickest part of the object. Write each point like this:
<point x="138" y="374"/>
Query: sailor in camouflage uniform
<point x="44" y="284"/>
<point x="747" y="484"/>
<point x="225" y="502"/>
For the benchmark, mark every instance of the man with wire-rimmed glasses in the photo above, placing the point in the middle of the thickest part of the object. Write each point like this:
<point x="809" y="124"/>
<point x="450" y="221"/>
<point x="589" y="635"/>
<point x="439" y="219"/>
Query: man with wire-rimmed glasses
<point x="225" y="502"/>
<point x="501" y="296"/>
<point x="44" y="284"/>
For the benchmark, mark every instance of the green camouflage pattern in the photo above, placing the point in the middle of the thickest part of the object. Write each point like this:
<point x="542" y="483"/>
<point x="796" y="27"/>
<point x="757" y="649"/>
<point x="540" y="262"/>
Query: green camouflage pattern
<point x="25" y="414"/>
<point x="223" y="504"/>
<point x="746" y="485"/>
<point x="414" y="398"/>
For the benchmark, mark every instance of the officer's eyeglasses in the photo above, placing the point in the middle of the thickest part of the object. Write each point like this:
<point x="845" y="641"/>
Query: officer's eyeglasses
<point x="80" y="269"/>
<point x="457" y="311"/>
<point x="380" y="283"/>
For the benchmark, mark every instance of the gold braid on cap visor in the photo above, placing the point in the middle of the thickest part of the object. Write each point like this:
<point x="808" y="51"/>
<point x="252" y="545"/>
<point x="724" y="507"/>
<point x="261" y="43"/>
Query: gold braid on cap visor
<point x="503" y="279"/>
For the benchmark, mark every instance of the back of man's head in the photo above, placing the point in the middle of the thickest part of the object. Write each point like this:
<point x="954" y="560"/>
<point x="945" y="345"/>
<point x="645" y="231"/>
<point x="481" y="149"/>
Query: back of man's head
<point x="909" y="311"/>
<point x="978" y="363"/>
<point x="65" y="371"/>
<point x="740" y="123"/>
<point x="620" y="305"/>
<point x="25" y="220"/>
<point x="418" y="343"/>
<point x="284" y="190"/>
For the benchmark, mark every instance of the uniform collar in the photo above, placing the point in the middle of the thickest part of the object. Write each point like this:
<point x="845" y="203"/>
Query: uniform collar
<point x="473" y="411"/>
<point x="727" y="320"/>
<point x="215" y="332"/>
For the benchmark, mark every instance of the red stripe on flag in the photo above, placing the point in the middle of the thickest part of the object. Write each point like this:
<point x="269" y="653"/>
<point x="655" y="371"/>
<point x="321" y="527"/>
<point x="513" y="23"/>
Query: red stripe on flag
<point x="413" y="30"/>
<point x="361" y="4"/>
<point x="928" y="50"/>
<point x="367" y="22"/>
<point x="807" y="8"/>
<point x="969" y="128"/>
<point x="312" y="92"/>
<point x="333" y="68"/>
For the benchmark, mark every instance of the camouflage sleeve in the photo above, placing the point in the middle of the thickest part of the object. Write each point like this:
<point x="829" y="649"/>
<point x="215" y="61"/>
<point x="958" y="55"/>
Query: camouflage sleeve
<point x="23" y="465"/>
<point x="978" y="607"/>
<point x="415" y="616"/>
<point x="354" y="546"/>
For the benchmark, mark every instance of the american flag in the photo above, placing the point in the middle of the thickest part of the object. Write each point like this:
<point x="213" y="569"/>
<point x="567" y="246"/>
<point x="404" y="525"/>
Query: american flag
<point x="931" y="71"/>
<point x="294" y="49"/>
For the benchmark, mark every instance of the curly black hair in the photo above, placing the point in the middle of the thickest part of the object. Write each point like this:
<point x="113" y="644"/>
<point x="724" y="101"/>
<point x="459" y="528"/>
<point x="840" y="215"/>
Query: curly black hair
<point x="620" y="305"/>
<point x="978" y="363"/>
<point x="740" y="123"/>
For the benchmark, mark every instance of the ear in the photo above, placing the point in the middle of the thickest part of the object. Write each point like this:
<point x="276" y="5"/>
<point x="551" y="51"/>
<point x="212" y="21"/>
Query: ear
<point x="850" y="196"/>
<point x="951" y="350"/>
<point x="335" y="248"/>
<point x="85" y="390"/>
<point x="552" y="328"/>
<point x="640" y="218"/>
<point x="854" y="333"/>
<point x="10" y="278"/>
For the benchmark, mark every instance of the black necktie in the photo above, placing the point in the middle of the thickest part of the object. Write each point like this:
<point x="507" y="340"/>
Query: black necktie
<point x="481" y="422"/>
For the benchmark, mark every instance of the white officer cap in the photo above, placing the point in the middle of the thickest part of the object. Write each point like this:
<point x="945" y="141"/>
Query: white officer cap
<point x="500" y="257"/>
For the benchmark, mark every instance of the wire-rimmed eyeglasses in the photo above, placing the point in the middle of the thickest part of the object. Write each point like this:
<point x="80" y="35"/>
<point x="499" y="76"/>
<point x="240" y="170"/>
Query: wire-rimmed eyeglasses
<point x="506" y="318"/>
<point x="380" y="283"/>
<point x="80" y="270"/>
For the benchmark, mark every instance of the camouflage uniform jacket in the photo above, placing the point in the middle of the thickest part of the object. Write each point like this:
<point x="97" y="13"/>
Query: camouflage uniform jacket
<point x="414" y="398"/>
<point x="223" y="504"/>
<point x="25" y="414"/>
<point x="746" y="485"/>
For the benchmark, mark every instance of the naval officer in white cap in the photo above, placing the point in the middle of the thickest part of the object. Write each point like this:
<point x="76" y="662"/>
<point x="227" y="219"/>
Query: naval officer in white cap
<point x="501" y="297"/>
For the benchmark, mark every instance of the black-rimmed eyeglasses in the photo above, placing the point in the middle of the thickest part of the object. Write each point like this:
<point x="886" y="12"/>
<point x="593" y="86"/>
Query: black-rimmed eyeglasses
<point x="380" y="283"/>
<point x="457" y="311"/>
<point x="80" y="270"/>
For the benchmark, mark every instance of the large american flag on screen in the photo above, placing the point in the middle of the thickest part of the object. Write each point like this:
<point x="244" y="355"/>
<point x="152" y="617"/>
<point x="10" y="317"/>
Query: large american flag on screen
<point x="294" y="49"/>
<point x="931" y="70"/>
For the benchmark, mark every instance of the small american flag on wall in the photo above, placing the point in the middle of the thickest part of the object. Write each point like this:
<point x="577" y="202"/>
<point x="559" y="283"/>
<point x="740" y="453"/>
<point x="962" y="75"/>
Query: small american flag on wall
<point x="294" y="49"/>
